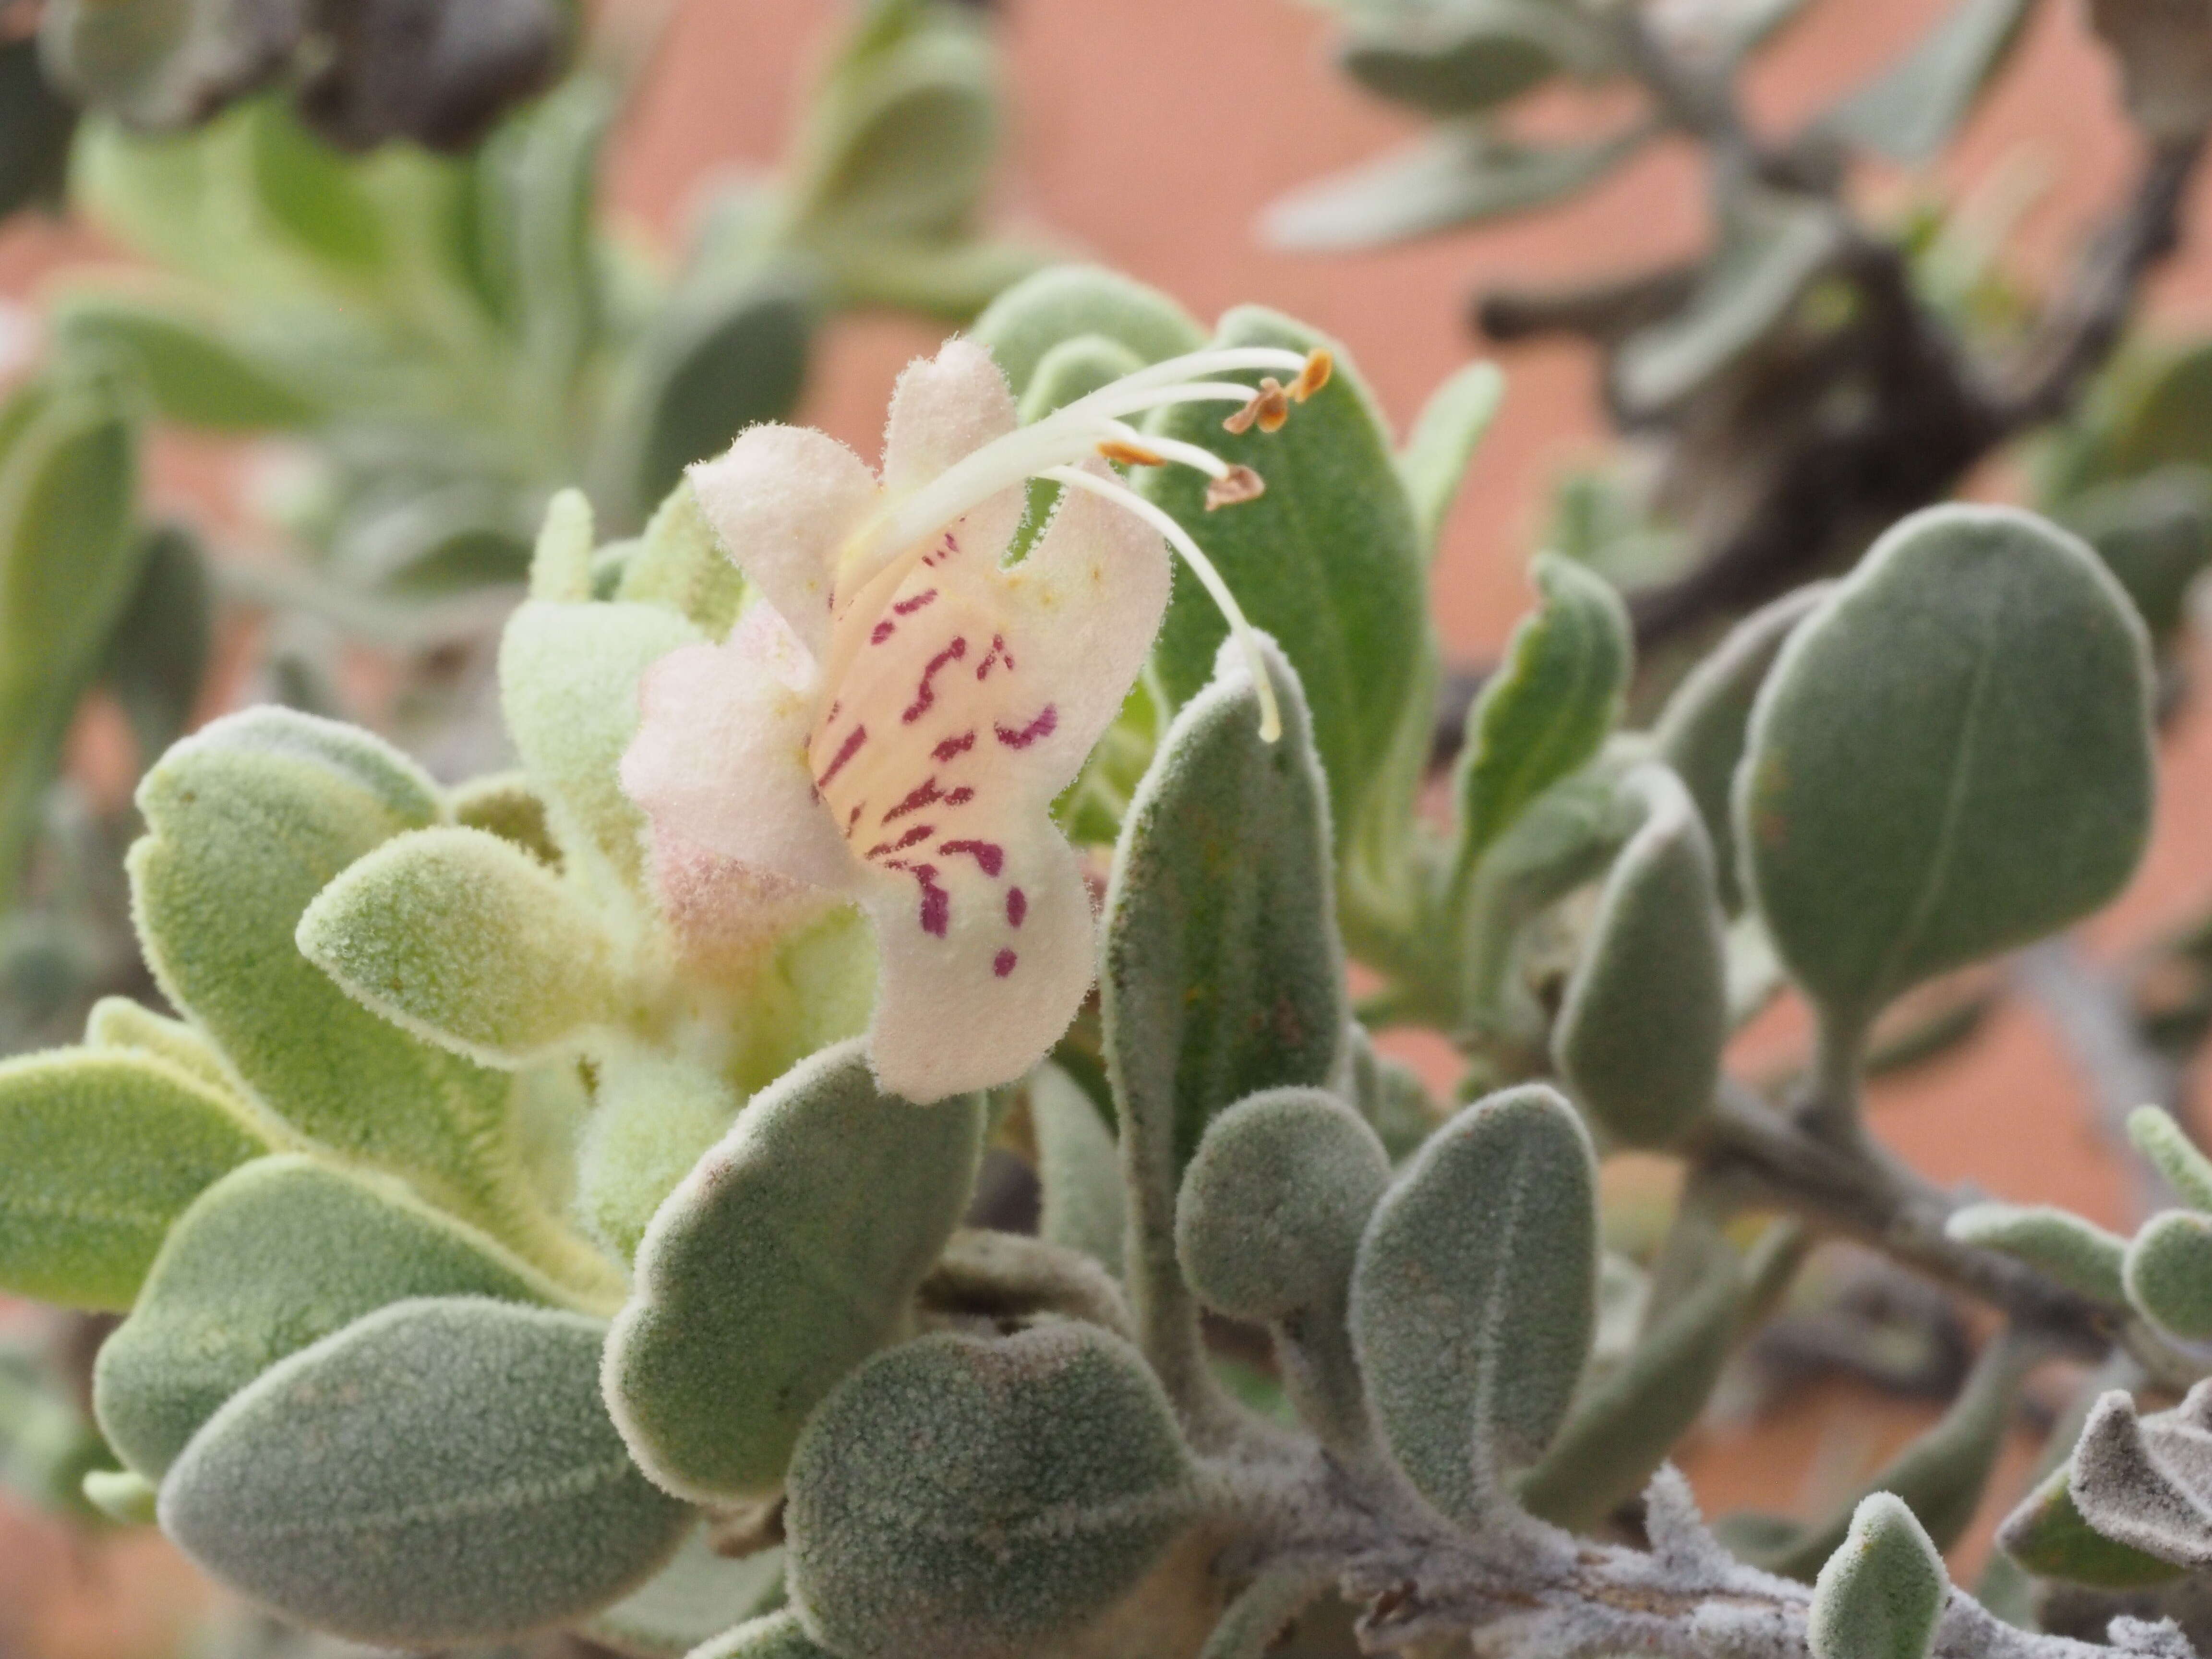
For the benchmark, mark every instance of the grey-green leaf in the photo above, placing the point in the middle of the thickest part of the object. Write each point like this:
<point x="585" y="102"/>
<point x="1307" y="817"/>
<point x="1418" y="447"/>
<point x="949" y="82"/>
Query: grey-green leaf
<point x="1702" y="730"/>
<point x="2078" y="1254"/>
<point x="274" y="1256"/>
<point x="1475" y="1295"/>
<point x="100" y="1151"/>
<point x="1446" y="434"/>
<point x="466" y="941"/>
<point x="969" y="1500"/>
<point x="1548" y="710"/>
<point x="1066" y="302"/>
<point x="1880" y="1595"/>
<point x="441" y="1471"/>
<point x="1082" y="1205"/>
<point x="2165" y="1143"/>
<point x="2047" y="1534"/>
<point x="2169" y="1272"/>
<point x="1473" y="57"/>
<point x="1639" y="1037"/>
<point x="1951" y="757"/>
<point x="784" y="1260"/>
<point x="1464" y="174"/>
<point x="1911" y="109"/>
<point x="1330" y="560"/>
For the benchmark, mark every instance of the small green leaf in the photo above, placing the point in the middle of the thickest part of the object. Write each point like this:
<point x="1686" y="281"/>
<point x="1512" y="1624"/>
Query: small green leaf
<point x="121" y="1496"/>
<point x="969" y="1500"/>
<point x="1773" y="247"/>
<point x="568" y="677"/>
<point x="157" y="656"/>
<point x="100" y="1151"/>
<point x="2169" y="1272"/>
<point x="2047" y="1536"/>
<point x="277" y="1255"/>
<point x="1548" y="710"/>
<point x="315" y="196"/>
<point x="783" y="1260"/>
<point x="680" y="561"/>
<point x="1475" y="1295"/>
<point x="1329" y="561"/>
<point x="1464" y="174"/>
<point x="1621" y="1431"/>
<point x="69" y="560"/>
<point x="655" y="1115"/>
<point x="1911" y="109"/>
<point x="120" y="1023"/>
<point x="1472" y="57"/>
<point x="1069" y="302"/>
<point x="504" y="804"/>
<point x="1445" y="435"/>
<point x="1702" y="730"/>
<point x="198" y="370"/>
<point x="1881" y="1593"/>
<point x="468" y="942"/>
<point x="691" y="1601"/>
<point x="441" y="1471"/>
<point x="1222" y="974"/>
<point x="1083" y="1206"/>
<point x="2141" y="1480"/>
<point x="1951" y="757"/>
<point x="1274" y="1205"/>
<point x="2166" y="1143"/>
<point x="902" y="145"/>
<point x="1639" y="1037"/>
<point x="2080" y="1255"/>
<point x="723" y="353"/>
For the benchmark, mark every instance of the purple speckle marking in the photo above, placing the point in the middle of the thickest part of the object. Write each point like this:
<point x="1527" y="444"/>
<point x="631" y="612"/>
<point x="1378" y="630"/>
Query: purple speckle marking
<point x="987" y="853"/>
<point x="1038" y="729"/>
<point x="1003" y="964"/>
<point x="1018" y="906"/>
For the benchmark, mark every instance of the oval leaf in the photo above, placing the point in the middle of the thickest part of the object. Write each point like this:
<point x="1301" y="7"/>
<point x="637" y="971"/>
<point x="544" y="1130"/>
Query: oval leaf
<point x="1953" y="757"/>
<point x="784" y="1259"/>
<point x="1881" y="1593"/>
<point x="1068" y="301"/>
<point x="441" y="1471"/>
<point x="1475" y="1295"/>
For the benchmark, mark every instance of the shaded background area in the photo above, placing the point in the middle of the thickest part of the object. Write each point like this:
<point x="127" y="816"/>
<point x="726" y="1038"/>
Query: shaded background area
<point x="1148" y="135"/>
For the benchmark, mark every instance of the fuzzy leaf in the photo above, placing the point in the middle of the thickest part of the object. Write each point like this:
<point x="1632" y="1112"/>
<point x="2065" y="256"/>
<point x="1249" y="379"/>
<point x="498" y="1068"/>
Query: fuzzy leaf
<point x="1702" y="731"/>
<point x="1068" y="301"/>
<point x="440" y="1471"/>
<point x="1274" y="1205"/>
<point x="568" y="679"/>
<point x="1448" y="430"/>
<point x="2078" y="1254"/>
<point x="1549" y="708"/>
<point x="695" y="1599"/>
<point x="773" y="1636"/>
<point x="1223" y="974"/>
<point x="1912" y="108"/>
<point x="2165" y="1143"/>
<point x="2169" y="1272"/>
<point x="2047" y="1536"/>
<point x="783" y="1260"/>
<point x="120" y="1023"/>
<point x="680" y="561"/>
<point x="1472" y="1333"/>
<point x="1472" y="57"/>
<point x="1951" y="757"/>
<point x="505" y="805"/>
<point x="2144" y="1481"/>
<point x="1640" y="1034"/>
<point x="274" y="1256"/>
<point x="967" y="1499"/>
<point x="467" y="942"/>
<point x="199" y="374"/>
<point x="654" y="1116"/>
<point x="1082" y="1205"/>
<point x="100" y="1151"/>
<point x="1881" y="1593"/>
<point x="1464" y="174"/>
<point x="249" y="820"/>
<point x="1329" y="561"/>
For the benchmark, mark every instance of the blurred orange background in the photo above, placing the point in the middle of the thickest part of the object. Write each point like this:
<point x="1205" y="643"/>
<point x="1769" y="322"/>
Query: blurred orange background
<point x="1148" y="135"/>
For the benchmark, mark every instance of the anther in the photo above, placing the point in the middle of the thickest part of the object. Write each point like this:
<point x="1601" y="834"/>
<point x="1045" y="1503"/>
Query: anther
<point x="1239" y="483"/>
<point x="1270" y="406"/>
<point x="1314" y="376"/>
<point x="1129" y="454"/>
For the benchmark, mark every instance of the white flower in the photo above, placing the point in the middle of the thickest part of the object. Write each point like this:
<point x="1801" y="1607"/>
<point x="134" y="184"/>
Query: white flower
<point x="892" y="724"/>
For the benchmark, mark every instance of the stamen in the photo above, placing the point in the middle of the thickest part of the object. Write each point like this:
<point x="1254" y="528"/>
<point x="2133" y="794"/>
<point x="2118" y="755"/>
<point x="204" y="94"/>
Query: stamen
<point x="1268" y="408"/>
<point x="1164" y="450"/>
<point x="1263" y="684"/>
<point x="1129" y="454"/>
<point x="1238" y="483"/>
<point x="1320" y="365"/>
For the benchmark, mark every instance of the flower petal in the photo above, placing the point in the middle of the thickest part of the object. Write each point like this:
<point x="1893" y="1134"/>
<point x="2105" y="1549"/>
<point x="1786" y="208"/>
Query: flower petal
<point x="784" y="499"/>
<point x="1087" y="602"/>
<point x="986" y="949"/>
<point x="725" y="914"/>
<point x="720" y="757"/>
<point x="944" y="408"/>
